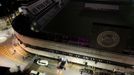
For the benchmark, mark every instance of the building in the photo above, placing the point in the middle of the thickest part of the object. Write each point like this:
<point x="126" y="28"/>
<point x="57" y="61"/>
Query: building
<point x="97" y="32"/>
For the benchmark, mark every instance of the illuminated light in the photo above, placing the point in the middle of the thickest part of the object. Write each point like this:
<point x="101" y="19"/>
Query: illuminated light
<point x="20" y="10"/>
<point x="32" y="28"/>
<point x="0" y="4"/>
<point x="36" y="30"/>
<point x="34" y="23"/>
<point x="3" y="39"/>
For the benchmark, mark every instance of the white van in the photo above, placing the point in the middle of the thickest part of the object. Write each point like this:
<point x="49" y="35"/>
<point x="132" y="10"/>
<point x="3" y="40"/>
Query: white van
<point x="33" y="72"/>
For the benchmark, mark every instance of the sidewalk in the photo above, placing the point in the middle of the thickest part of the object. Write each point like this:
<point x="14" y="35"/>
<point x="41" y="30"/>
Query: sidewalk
<point x="9" y="57"/>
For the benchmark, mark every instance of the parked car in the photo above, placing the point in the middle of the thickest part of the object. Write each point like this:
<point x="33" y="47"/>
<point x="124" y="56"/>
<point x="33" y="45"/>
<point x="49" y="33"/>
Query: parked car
<point x="42" y="62"/>
<point x="33" y="72"/>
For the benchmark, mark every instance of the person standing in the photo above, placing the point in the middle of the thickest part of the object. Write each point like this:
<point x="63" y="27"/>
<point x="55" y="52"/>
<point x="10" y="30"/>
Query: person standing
<point x="62" y="64"/>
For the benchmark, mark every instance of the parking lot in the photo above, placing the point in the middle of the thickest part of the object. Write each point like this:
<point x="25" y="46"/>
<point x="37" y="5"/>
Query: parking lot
<point x="51" y="69"/>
